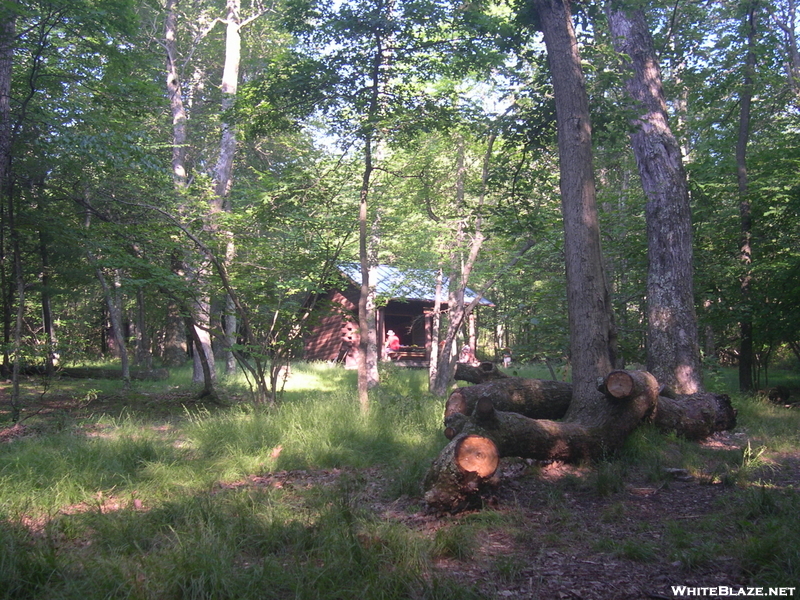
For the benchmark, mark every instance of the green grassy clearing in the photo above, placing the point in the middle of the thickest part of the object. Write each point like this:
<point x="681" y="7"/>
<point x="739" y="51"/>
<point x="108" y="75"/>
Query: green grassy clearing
<point x="143" y="495"/>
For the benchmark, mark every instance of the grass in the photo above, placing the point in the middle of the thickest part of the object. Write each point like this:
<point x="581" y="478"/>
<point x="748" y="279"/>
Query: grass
<point x="148" y="495"/>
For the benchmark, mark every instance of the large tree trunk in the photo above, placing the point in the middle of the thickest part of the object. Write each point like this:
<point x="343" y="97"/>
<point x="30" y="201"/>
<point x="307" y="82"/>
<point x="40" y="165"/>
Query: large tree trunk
<point x="204" y="369"/>
<point x="7" y="38"/>
<point x="695" y="416"/>
<point x="368" y="358"/>
<point x="673" y="352"/>
<point x="592" y="335"/>
<point x="456" y="479"/>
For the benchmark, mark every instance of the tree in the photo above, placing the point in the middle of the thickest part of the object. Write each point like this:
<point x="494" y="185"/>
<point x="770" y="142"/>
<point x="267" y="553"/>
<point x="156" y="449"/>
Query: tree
<point x="745" y="208"/>
<point x="391" y="54"/>
<point x="673" y="353"/>
<point x="592" y="335"/>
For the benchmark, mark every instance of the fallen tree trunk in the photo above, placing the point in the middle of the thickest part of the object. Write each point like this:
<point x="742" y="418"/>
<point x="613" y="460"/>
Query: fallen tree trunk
<point x="485" y="371"/>
<point x="535" y="398"/>
<point x="693" y="417"/>
<point x="516" y="435"/>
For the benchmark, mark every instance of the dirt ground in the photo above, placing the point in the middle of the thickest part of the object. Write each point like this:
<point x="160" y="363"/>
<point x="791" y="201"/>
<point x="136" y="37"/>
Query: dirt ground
<point x="567" y="540"/>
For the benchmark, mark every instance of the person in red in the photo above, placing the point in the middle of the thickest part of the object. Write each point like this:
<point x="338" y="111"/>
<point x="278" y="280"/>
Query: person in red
<point x="392" y="344"/>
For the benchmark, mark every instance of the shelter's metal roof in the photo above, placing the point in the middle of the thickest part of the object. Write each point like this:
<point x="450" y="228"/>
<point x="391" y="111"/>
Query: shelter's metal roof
<point x="407" y="284"/>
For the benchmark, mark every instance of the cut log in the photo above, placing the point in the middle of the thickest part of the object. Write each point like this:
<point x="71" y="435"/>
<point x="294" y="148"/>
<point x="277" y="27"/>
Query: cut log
<point x="695" y="416"/>
<point x="485" y="371"/>
<point x="536" y="398"/>
<point x="624" y="385"/>
<point x="461" y="471"/>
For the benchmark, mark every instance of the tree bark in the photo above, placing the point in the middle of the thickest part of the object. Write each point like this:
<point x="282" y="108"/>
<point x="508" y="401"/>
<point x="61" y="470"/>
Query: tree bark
<point x="695" y="416"/>
<point x="368" y="376"/>
<point x="200" y="314"/>
<point x="7" y="36"/>
<point x="592" y="332"/>
<point x="673" y="351"/>
<point x="461" y="472"/>
<point x="200" y="356"/>
<point x="535" y="398"/>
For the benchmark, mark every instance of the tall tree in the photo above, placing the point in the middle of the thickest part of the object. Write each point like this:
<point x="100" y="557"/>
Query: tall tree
<point x="673" y="352"/>
<point x="223" y="172"/>
<point x="7" y="43"/>
<point x="592" y="334"/>
<point x="745" y="208"/>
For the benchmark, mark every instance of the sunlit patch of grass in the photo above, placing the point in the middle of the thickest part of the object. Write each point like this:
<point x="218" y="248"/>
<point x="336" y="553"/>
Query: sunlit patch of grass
<point x="776" y="427"/>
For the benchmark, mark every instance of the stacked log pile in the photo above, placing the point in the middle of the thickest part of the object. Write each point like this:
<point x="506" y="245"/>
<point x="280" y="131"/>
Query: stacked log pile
<point x="515" y="417"/>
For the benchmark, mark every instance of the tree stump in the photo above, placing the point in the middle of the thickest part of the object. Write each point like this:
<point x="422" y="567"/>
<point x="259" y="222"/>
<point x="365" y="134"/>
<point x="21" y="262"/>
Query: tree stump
<point x="461" y="471"/>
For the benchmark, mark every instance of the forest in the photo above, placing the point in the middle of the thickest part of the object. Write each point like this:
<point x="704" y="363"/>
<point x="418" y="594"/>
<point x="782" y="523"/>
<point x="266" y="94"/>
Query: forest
<point x="602" y="197"/>
<point x="190" y="174"/>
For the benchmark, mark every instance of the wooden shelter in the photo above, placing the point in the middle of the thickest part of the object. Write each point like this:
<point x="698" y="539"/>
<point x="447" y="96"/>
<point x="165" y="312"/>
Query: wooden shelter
<point x="408" y="299"/>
